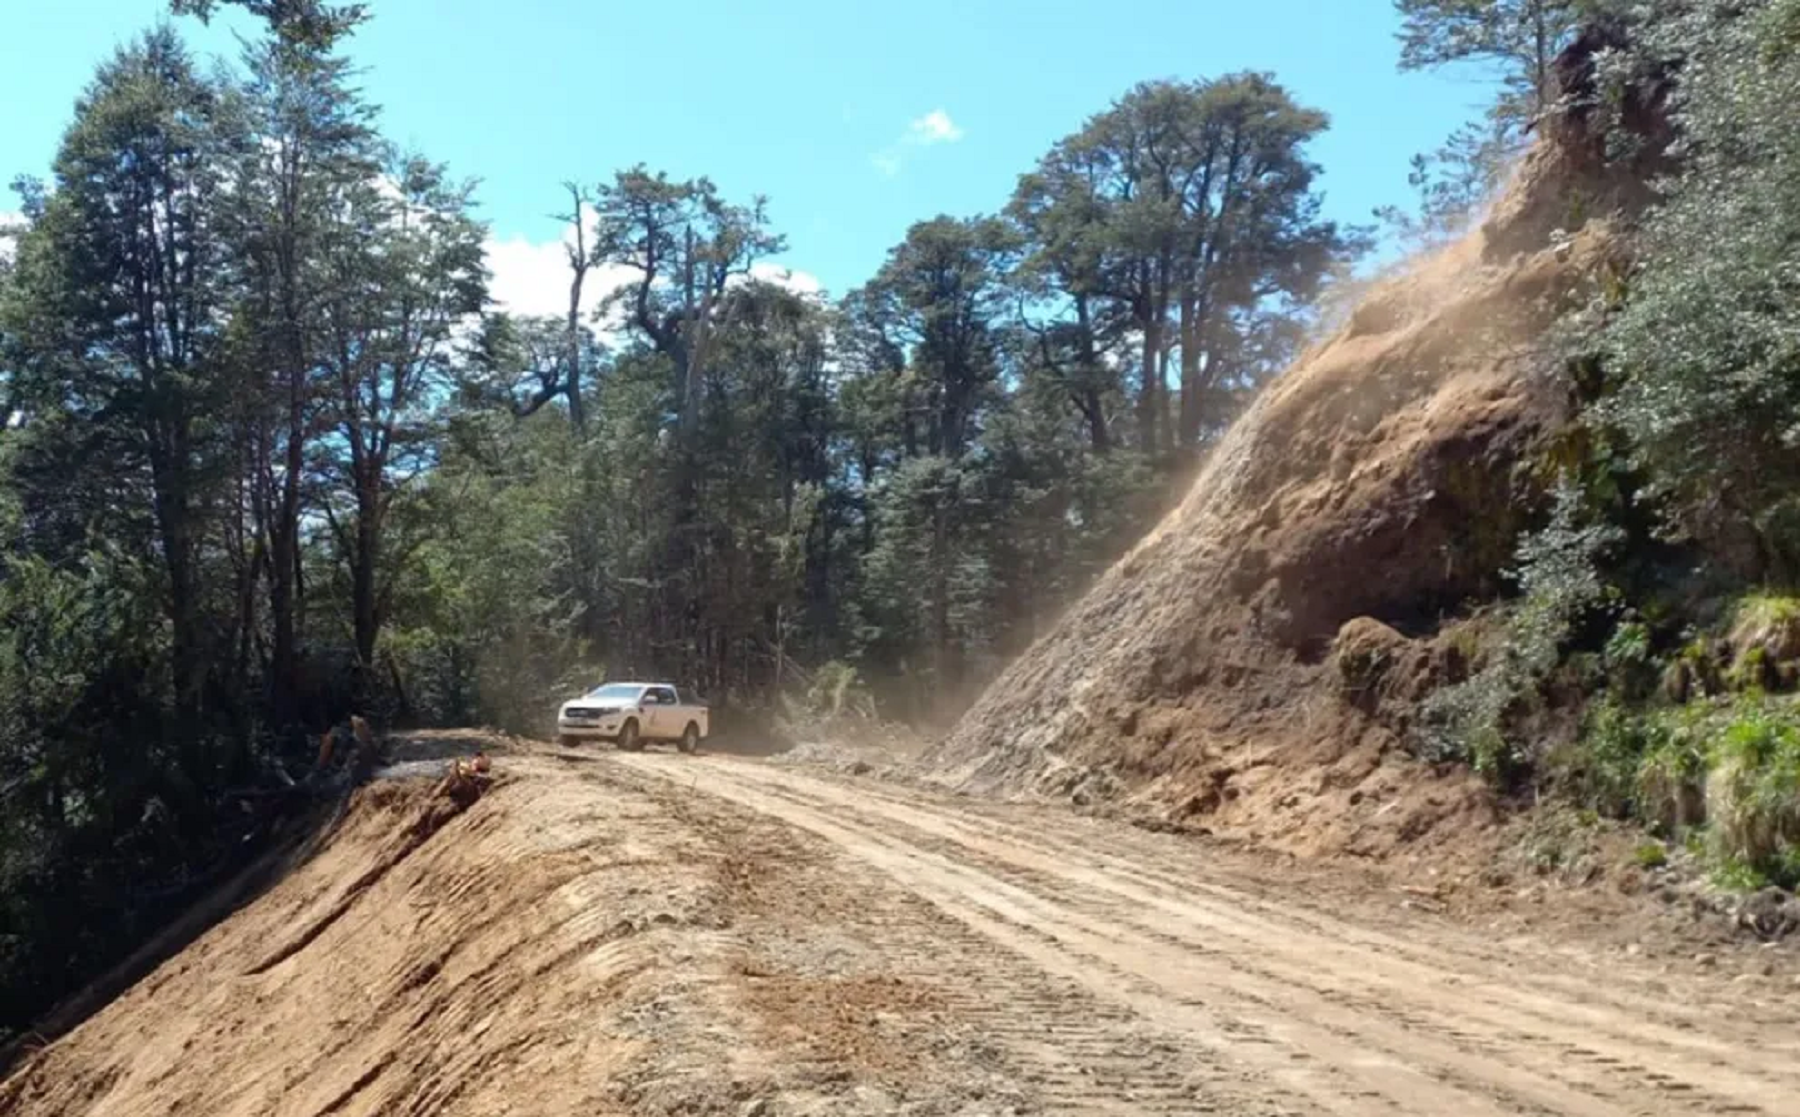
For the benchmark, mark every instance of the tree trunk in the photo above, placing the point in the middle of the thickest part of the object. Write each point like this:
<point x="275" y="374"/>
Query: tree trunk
<point x="284" y="531"/>
<point x="940" y="592"/>
<point x="174" y="520"/>
<point x="171" y="479"/>
<point x="364" y="604"/>
<point x="1150" y="407"/>
<point x="237" y="642"/>
<point x="1091" y="402"/>
<point x="284" y="567"/>
<point x="1192" y="403"/>
<point x="404" y="714"/>
<point x="946" y="663"/>
<point x="578" y="268"/>
<point x="577" y="410"/>
<point x="1165" y="414"/>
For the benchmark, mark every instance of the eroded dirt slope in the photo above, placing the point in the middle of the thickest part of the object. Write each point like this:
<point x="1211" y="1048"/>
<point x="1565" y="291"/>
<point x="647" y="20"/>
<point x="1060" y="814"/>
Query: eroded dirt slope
<point x="1376" y="487"/>
<point x="666" y="935"/>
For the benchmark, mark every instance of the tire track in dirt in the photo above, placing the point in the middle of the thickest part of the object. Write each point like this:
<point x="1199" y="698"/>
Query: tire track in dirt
<point x="1510" y="1002"/>
<point x="1167" y="985"/>
<point x="1256" y="965"/>
<point x="1284" y="1055"/>
<point x="1321" y="1013"/>
<point x="1178" y="868"/>
<point x="1075" y="1053"/>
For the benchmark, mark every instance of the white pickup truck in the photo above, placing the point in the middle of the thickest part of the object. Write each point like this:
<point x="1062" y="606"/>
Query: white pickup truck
<point x="631" y="714"/>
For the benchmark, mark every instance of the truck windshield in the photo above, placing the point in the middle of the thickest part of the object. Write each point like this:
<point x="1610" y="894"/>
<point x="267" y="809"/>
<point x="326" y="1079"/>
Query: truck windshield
<point x="619" y="691"/>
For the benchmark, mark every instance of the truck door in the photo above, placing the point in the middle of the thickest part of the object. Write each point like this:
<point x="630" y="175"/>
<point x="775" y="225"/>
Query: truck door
<point x="664" y="714"/>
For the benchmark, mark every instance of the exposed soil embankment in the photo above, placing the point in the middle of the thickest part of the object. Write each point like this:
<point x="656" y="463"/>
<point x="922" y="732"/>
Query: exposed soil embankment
<point x="569" y="939"/>
<point x="1374" y="491"/>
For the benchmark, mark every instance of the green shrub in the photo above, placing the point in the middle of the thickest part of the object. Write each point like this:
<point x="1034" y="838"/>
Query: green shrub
<point x="835" y="690"/>
<point x="1751" y="673"/>
<point x="1464" y="722"/>
<point x="1631" y="668"/>
<point x="1765" y="641"/>
<point x="1734" y="875"/>
<point x="1652" y="855"/>
<point x="1671" y="772"/>
<point x="1764" y="608"/>
<point x="1723" y="778"/>
<point x="1558" y="574"/>
<point x="1628" y="646"/>
<point x="1693" y="673"/>
<point x="1753" y="790"/>
<point x="1703" y="349"/>
<point x="1694" y="842"/>
<point x="1603" y="766"/>
<point x="1648" y="765"/>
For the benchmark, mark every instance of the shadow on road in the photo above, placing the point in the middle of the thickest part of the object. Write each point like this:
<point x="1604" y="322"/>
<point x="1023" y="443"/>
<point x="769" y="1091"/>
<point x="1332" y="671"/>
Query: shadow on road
<point x="757" y="746"/>
<point x="445" y="744"/>
<point x="747" y="748"/>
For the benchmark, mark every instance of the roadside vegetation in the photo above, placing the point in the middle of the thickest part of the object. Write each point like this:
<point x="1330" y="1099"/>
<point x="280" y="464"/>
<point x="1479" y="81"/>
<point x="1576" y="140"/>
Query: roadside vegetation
<point x="1647" y="668"/>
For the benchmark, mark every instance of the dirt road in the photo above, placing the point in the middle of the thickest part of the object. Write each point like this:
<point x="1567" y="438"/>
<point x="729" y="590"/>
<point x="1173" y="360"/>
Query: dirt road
<point x="658" y="934"/>
<point x="1121" y="972"/>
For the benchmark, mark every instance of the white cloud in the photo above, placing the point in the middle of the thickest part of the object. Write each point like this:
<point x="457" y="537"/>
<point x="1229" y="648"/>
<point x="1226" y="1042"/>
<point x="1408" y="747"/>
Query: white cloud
<point x="935" y="127"/>
<point x="799" y="282"/>
<point x="10" y="224"/>
<point x="532" y="278"/>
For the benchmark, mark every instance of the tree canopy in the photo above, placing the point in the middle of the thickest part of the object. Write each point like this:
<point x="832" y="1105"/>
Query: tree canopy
<point x="1516" y="42"/>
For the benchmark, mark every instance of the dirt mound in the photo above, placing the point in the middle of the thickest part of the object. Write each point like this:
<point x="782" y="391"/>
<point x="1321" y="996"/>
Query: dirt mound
<point x="1373" y="490"/>
<point x="581" y="935"/>
<point x="414" y="961"/>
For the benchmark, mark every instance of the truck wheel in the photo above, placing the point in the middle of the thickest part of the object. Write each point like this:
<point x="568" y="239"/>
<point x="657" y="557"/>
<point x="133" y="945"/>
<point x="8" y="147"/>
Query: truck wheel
<point x="566" y="740"/>
<point x="628" y="738"/>
<point x="690" y="738"/>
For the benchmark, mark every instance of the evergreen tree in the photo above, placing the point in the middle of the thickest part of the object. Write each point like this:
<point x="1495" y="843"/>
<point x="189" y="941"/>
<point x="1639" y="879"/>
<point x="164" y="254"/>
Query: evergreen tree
<point x="1514" y="41"/>
<point x="119" y="307"/>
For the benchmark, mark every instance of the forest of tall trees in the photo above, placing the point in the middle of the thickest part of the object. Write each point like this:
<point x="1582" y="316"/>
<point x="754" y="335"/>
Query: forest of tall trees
<point x="272" y="454"/>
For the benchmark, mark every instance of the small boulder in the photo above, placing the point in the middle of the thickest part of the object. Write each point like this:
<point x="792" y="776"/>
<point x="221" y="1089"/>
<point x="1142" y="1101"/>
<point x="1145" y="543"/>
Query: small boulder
<point x="1362" y="654"/>
<point x="1770" y="914"/>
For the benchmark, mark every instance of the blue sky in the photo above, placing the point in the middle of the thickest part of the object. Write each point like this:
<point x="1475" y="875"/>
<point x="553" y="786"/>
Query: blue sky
<point x="855" y="119"/>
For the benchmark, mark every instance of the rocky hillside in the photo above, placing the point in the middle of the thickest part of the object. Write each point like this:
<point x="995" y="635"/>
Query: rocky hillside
<point x="1252" y="665"/>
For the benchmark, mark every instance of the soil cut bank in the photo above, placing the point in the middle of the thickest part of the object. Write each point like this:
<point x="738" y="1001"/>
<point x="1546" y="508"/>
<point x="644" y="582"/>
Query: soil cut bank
<point x="1219" y="670"/>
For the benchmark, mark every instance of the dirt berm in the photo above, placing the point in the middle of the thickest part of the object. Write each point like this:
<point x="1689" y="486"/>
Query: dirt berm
<point x="575" y="939"/>
<point x="1248" y="666"/>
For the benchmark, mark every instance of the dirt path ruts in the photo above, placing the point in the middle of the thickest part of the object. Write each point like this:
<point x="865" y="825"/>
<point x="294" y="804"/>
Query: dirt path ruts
<point x="1251" y="999"/>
